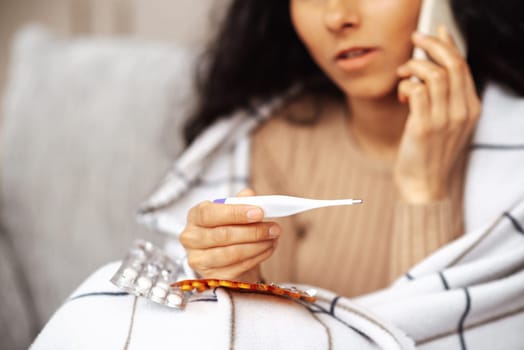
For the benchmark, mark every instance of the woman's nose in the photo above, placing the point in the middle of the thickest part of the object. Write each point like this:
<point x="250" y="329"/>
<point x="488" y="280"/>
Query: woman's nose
<point x="339" y="15"/>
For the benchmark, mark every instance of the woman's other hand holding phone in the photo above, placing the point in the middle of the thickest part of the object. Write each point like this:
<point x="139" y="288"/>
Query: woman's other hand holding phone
<point x="444" y="109"/>
<point x="228" y="241"/>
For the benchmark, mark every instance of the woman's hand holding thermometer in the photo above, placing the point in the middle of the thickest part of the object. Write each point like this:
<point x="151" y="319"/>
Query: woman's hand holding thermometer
<point x="230" y="241"/>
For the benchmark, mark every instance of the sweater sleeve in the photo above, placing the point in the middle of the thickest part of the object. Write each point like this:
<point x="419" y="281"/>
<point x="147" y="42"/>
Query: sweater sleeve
<point x="418" y="230"/>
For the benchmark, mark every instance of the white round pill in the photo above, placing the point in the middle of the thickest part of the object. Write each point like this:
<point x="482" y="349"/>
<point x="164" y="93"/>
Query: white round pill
<point x="158" y="293"/>
<point x="129" y="274"/>
<point x="174" y="300"/>
<point x="143" y="283"/>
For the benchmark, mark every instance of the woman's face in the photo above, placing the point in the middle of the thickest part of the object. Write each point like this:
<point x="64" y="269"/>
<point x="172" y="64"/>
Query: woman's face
<point x="358" y="43"/>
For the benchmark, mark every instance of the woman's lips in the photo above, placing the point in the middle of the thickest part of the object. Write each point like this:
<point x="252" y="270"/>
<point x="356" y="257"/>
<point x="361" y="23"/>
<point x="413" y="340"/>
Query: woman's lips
<point x="355" y="58"/>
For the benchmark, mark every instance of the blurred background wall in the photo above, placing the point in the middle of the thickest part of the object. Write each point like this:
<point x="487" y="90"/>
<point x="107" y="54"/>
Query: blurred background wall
<point x="187" y="22"/>
<point x="44" y="254"/>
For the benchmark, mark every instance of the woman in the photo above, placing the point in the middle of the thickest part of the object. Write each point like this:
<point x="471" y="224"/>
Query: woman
<point x="408" y="139"/>
<point x="376" y="134"/>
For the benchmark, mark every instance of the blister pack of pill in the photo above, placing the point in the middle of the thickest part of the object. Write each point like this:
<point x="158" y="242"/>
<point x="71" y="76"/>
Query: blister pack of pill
<point x="147" y="271"/>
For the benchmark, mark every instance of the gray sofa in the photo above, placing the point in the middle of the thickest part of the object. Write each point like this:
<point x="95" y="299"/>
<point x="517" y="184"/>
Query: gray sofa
<point x="89" y="127"/>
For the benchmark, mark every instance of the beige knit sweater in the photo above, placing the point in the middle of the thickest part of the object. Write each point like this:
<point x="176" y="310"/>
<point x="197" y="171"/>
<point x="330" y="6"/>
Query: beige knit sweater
<point x="350" y="250"/>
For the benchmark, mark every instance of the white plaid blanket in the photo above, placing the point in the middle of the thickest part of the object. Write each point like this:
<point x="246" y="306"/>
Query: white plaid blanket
<point x="467" y="295"/>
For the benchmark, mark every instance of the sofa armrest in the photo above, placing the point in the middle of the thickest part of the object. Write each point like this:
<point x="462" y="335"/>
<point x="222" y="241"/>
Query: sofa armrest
<point x="90" y="127"/>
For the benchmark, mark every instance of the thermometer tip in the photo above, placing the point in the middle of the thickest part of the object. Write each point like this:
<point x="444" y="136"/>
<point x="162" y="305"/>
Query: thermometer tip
<point x="358" y="201"/>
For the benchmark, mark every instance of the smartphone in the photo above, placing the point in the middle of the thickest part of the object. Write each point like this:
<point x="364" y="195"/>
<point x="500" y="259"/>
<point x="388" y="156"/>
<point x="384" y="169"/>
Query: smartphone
<point x="432" y="14"/>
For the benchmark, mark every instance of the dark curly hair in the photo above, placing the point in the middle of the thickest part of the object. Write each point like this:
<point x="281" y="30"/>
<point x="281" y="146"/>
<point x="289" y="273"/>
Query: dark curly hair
<point x="257" y="55"/>
<point x="494" y="32"/>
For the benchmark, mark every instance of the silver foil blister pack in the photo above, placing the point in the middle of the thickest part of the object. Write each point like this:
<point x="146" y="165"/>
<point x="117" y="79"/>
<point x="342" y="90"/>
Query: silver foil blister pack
<point x="147" y="271"/>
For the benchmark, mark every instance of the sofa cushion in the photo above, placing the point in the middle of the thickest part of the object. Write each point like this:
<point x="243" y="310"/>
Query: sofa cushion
<point x="90" y="126"/>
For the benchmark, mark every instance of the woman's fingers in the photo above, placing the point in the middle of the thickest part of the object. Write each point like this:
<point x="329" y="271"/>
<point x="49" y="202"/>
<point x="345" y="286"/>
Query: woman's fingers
<point x="465" y="104"/>
<point x="445" y="54"/>
<point x="442" y="50"/>
<point x="418" y="96"/>
<point x="232" y="272"/>
<point x="204" y="238"/>
<point x="436" y="80"/>
<point x="444" y="35"/>
<point x="206" y="260"/>
<point x="208" y="214"/>
<point x="228" y="241"/>
<point x="462" y="105"/>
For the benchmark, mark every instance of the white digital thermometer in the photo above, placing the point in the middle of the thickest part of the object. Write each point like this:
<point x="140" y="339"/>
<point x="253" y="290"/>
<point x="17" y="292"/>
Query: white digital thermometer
<point x="279" y="206"/>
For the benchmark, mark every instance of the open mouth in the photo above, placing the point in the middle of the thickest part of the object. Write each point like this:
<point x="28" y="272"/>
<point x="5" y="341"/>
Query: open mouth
<point x="353" y="53"/>
<point x="356" y="58"/>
